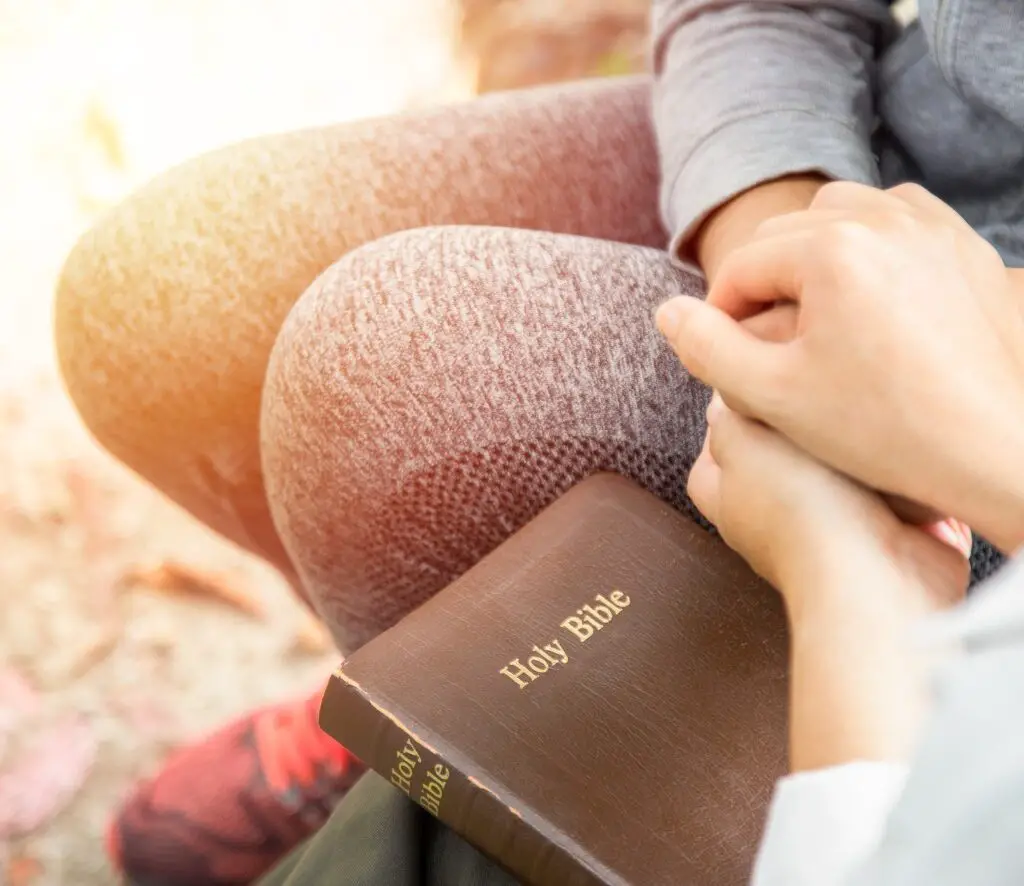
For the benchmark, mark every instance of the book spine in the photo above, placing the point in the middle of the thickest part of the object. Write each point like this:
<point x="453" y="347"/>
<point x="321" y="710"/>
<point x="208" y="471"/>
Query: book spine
<point x="424" y="774"/>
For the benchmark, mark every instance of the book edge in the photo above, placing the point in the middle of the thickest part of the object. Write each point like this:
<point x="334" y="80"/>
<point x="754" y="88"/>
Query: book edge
<point x="498" y="791"/>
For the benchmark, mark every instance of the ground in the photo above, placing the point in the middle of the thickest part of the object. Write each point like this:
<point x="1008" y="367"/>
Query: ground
<point x="126" y="628"/>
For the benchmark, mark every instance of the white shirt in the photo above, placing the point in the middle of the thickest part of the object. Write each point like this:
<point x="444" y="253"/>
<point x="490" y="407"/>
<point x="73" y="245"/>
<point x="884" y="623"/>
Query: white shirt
<point x="825" y="826"/>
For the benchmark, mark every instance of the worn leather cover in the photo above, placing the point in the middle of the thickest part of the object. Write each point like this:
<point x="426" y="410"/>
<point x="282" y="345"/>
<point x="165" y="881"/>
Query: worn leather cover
<point x="640" y="753"/>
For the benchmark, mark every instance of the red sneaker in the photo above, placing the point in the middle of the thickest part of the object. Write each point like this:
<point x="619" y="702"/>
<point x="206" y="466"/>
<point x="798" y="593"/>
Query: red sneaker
<point x="222" y="812"/>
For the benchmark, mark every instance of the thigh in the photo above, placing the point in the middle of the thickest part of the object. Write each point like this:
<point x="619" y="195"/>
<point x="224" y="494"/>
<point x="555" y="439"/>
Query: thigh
<point x="436" y="389"/>
<point x="168" y="308"/>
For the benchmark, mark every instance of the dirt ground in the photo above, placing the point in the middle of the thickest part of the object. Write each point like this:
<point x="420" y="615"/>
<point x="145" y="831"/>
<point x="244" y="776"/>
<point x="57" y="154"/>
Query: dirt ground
<point x="100" y="675"/>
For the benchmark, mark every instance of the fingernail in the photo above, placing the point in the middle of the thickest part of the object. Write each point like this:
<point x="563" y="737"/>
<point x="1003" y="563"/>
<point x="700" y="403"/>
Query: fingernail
<point x="714" y="407"/>
<point x="952" y="533"/>
<point x="668" y="318"/>
<point x="948" y="534"/>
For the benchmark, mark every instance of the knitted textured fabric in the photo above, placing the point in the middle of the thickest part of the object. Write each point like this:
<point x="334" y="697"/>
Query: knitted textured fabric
<point x="446" y="518"/>
<point x="434" y="388"/>
<point x="985" y="560"/>
<point x="440" y="387"/>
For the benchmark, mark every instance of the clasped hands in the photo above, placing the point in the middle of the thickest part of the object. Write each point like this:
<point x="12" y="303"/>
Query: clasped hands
<point x="873" y="343"/>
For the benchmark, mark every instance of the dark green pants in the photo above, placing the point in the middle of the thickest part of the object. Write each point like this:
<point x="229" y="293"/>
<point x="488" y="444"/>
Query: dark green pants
<point x="377" y="837"/>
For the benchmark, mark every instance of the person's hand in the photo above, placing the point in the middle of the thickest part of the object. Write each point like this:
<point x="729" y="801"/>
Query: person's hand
<point x="779" y="324"/>
<point x="907" y="367"/>
<point x="853" y="576"/>
<point x="735" y="223"/>
<point x="808" y="530"/>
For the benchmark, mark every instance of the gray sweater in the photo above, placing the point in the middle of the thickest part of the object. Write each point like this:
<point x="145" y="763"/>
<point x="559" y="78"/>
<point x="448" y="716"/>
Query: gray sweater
<point x="750" y="91"/>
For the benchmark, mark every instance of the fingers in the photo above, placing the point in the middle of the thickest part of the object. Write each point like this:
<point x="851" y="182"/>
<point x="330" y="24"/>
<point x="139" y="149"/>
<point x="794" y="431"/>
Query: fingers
<point x="769" y="268"/>
<point x="921" y="199"/>
<point x="941" y="567"/>
<point x="761" y="273"/>
<point x="850" y="197"/>
<point x="796" y="222"/>
<point x="732" y="436"/>
<point x="721" y="353"/>
<point x="704" y="485"/>
<point x="777" y="324"/>
<point x="954" y="533"/>
<point x="911" y="512"/>
<point x="847" y="196"/>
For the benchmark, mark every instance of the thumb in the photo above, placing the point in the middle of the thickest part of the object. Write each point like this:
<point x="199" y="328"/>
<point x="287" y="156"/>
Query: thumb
<point x="722" y="354"/>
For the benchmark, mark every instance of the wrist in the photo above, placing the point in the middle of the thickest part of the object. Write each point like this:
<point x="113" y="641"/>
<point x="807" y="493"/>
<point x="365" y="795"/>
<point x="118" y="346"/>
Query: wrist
<point x="858" y="688"/>
<point x="844" y="580"/>
<point x="845" y="601"/>
<point x="858" y="683"/>
<point x="734" y="223"/>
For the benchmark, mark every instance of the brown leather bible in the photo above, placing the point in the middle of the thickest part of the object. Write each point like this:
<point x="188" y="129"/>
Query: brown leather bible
<point x="601" y="700"/>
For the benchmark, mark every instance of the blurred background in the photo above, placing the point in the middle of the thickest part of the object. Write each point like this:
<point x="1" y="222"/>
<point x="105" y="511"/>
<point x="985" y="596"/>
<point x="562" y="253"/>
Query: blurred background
<point x="125" y="627"/>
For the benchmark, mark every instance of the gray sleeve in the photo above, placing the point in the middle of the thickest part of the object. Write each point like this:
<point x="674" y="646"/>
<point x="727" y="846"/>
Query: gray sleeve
<point x="746" y="92"/>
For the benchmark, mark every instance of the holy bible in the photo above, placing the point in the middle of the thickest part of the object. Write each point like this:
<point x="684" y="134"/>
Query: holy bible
<point x="601" y="700"/>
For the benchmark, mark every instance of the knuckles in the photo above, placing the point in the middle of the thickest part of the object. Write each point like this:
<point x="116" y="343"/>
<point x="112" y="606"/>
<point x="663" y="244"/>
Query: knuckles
<point x="910" y="192"/>
<point x="720" y="435"/>
<point x="845" y="243"/>
<point x="839" y="195"/>
<point x="781" y="384"/>
<point x="900" y="210"/>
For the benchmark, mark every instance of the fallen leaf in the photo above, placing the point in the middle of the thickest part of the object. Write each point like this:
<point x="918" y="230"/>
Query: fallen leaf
<point x="101" y="129"/>
<point x="176" y="578"/>
<point x="22" y="870"/>
<point x="94" y="651"/>
<point x="42" y="781"/>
